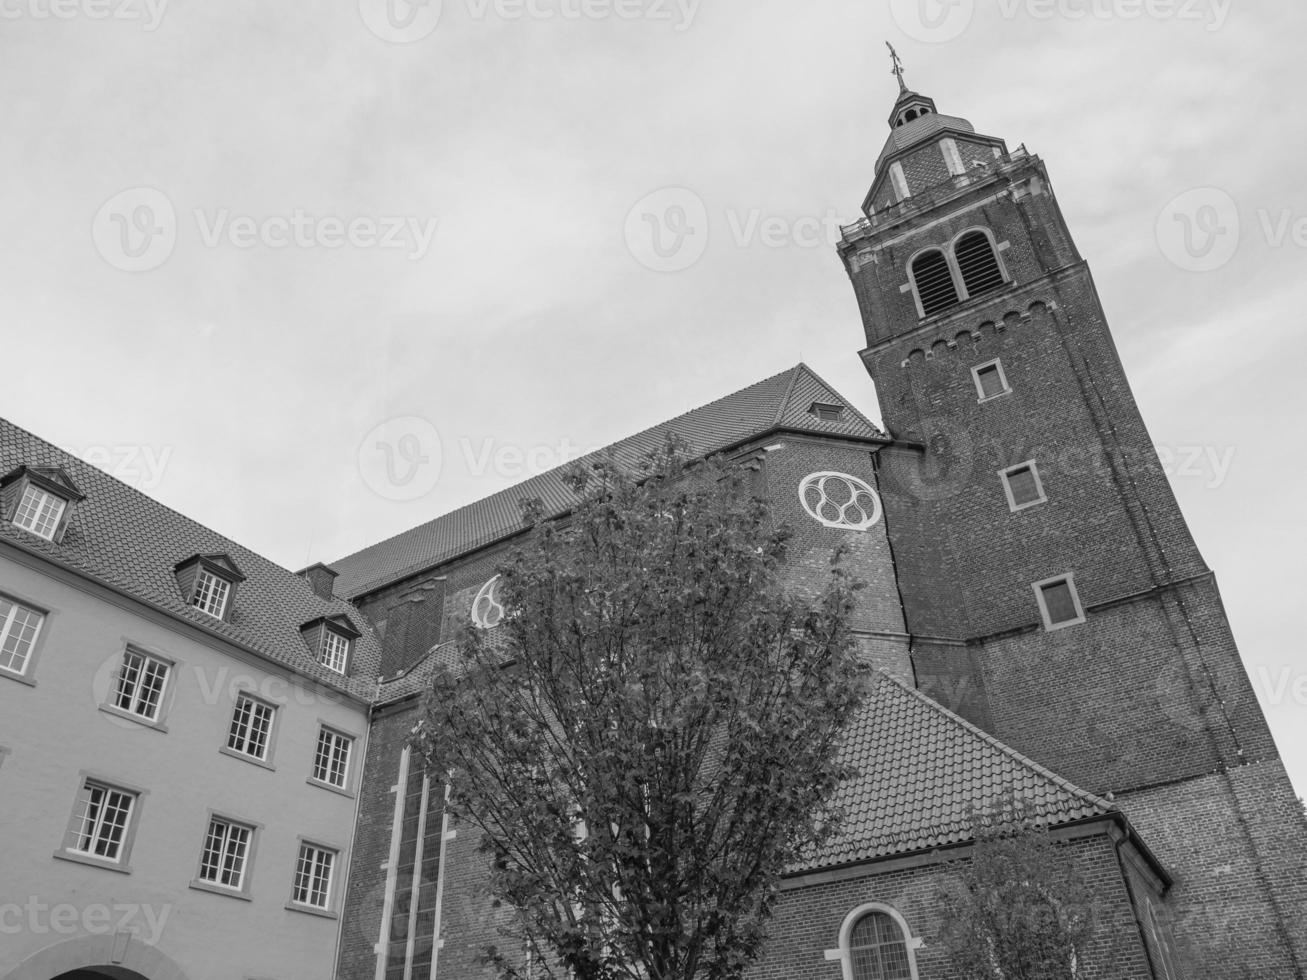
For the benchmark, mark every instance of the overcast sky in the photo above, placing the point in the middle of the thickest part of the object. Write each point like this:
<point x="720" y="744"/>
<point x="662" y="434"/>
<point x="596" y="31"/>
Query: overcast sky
<point x="240" y="237"/>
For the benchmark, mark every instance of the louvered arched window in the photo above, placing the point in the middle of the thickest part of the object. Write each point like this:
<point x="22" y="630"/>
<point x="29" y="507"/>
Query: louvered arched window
<point x="978" y="263"/>
<point x="878" y="949"/>
<point x="934" y="281"/>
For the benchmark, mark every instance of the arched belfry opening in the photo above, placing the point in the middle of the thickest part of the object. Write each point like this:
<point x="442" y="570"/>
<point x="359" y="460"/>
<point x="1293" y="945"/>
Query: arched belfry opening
<point x="101" y="973"/>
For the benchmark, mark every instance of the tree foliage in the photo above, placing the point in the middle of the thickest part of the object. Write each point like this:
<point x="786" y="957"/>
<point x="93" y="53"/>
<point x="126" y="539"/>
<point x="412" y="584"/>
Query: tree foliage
<point x="1017" y="908"/>
<point x="650" y="735"/>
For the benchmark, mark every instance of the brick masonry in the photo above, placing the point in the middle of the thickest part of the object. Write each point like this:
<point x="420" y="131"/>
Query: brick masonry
<point x="1146" y="700"/>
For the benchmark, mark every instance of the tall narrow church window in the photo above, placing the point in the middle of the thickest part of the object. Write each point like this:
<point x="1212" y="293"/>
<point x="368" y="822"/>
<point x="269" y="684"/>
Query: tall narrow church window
<point x="878" y="950"/>
<point x="411" y="941"/>
<point x="978" y="264"/>
<point x="934" y="281"/>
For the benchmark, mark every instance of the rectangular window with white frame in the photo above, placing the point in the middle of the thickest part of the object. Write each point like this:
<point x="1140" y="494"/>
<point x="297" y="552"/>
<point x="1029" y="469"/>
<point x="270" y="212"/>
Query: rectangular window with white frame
<point x="1023" y="486"/>
<point x="226" y="856"/>
<point x="335" y="651"/>
<point x="251" y="729"/>
<point x="990" y="379"/>
<point x="1059" y="602"/>
<point x="39" y="512"/>
<point x="314" y="871"/>
<point x="331" y="759"/>
<point x="20" y="626"/>
<point x="141" y="683"/>
<point x="211" y="594"/>
<point x="103" y="825"/>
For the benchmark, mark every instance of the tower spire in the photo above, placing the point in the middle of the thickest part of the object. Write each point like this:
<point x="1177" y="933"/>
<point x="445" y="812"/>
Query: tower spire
<point x="897" y="70"/>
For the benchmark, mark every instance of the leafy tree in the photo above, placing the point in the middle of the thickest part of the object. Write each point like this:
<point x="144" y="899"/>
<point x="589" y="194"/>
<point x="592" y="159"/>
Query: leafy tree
<point x="1017" y="908"/>
<point x="650" y="735"/>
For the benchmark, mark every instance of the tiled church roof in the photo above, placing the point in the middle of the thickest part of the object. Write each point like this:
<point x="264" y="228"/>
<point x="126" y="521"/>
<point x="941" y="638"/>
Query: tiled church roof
<point x="923" y="772"/>
<point x="123" y="538"/>
<point x="780" y="402"/>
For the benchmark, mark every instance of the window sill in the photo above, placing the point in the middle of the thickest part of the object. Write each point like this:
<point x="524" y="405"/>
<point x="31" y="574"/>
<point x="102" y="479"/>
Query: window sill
<point x="1054" y="627"/>
<point x="981" y="401"/>
<point x="110" y="709"/>
<point x="1018" y="508"/>
<point x="248" y="758"/>
<point x="310" y="910"/>
<point x="338" y="790"/>
<point x="206" y="886"/>
<point x="77" y="857"/>
<point x="13" y="675"/>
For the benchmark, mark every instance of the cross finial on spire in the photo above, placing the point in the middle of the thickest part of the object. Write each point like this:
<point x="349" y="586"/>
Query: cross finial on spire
<point x="897" y="71"/>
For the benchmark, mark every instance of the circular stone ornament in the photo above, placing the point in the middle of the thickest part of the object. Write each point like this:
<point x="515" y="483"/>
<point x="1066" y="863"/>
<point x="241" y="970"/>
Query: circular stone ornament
<point x="840" y="501"/>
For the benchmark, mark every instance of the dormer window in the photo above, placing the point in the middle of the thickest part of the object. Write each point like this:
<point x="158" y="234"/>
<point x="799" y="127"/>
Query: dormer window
<point x="211" y="594"/>
<point x="39" y="500"/>
<point x="827" y="412"/>
<point x="40" y="512"/>
<point x="208" y="583"/>
<point x="331" y="641"/>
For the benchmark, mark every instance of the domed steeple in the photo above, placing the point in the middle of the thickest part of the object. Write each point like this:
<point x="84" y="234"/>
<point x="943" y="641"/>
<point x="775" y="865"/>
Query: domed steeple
<point x="925" y="148"/>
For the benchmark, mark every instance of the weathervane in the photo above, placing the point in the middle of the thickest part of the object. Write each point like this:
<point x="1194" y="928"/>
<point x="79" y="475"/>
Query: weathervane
<point x="897" y="70"/>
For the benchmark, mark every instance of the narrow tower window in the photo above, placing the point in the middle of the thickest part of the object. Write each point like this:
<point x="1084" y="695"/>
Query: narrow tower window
<point x="934" y="281"/>
<point x="1059" y="602"/>
<point x="1023" y="486"/>
<point x="990" y="380"/>
<point x="978" y="264"/>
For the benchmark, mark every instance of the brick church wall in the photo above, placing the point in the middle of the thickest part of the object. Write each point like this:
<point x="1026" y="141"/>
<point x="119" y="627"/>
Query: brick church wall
<point x="808" y="919"/>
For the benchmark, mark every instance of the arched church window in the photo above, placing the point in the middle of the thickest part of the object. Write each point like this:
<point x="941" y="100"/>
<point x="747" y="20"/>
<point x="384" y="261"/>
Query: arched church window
<point x="934" y="281"/>
<point x="487" y="611"/>
<point x="911" y="115"/>
<point x="878" y="949"/>
<point x="978" y="263"/>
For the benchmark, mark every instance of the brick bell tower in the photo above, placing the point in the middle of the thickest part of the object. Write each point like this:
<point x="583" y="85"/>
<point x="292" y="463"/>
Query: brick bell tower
<point x="1051" y="588"/>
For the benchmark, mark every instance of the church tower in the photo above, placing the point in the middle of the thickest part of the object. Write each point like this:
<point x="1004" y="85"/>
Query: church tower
<point x="1051" y="588"/>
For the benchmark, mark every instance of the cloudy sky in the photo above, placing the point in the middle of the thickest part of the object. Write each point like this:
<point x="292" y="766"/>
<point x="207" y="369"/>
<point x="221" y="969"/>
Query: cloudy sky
<point x="246" y="246"/>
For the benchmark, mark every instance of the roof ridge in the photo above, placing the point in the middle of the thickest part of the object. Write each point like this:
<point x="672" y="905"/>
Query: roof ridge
<point x="660" y="426"/>
<point x="784" y="403"/>
<point x="104" y="474"/>
<point x="1003" y="747"/>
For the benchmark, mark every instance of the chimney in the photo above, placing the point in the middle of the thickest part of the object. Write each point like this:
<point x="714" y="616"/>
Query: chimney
<point x="322" y="578"/>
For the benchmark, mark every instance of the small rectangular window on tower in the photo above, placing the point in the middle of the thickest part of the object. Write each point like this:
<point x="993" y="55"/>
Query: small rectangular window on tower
<point x="1023" y="486"/>
<point x="990" y="380"/>
<point x="1059" y="603"/>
